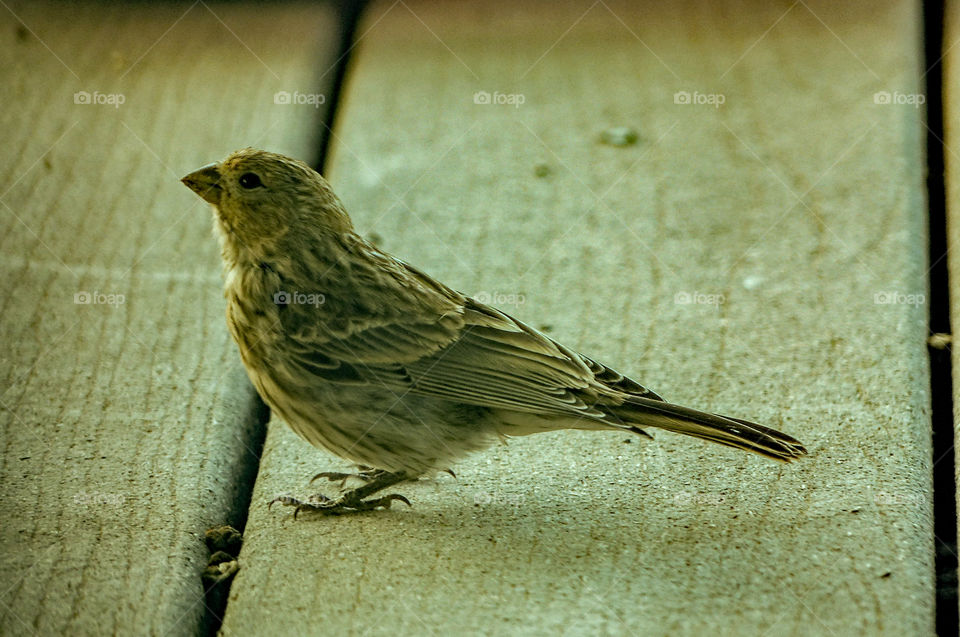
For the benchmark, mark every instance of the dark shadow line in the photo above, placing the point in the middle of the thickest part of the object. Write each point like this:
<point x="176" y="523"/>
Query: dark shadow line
<point x="349" y="13"/>
<point x="941" y="380"/>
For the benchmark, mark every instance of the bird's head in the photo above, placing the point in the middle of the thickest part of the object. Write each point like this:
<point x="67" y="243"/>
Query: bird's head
<point x="261" y="197"/>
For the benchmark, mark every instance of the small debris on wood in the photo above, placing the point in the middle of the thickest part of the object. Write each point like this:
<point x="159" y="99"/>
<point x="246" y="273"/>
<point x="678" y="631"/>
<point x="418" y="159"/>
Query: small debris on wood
<point x="939" y="340"/>
<point x="223" y="538"/>
<point x="224" y="544"/>
<point x="619" y="136"/>
<point x="222" y="567"/>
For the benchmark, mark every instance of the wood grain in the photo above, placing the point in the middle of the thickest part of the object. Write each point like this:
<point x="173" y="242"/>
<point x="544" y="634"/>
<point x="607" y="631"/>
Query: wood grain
<point x="763" y="257"/>
<point x="127" y="425"/>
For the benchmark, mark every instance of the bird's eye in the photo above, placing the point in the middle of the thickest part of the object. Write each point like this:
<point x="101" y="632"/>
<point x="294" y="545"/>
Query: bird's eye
<point x="250" y="181"/>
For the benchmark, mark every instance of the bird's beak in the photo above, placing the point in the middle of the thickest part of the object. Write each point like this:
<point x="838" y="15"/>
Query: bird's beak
<point x="205" y="182"/>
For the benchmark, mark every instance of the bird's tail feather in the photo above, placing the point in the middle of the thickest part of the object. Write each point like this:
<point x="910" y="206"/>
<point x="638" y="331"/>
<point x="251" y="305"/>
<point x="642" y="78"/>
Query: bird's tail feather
<point x="724" y="430"/>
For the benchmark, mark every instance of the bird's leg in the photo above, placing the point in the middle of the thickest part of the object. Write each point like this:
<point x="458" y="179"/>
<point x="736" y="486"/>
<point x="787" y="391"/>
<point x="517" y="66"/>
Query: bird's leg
<point x="352" y="500"/>
<point x="364" y="473"/>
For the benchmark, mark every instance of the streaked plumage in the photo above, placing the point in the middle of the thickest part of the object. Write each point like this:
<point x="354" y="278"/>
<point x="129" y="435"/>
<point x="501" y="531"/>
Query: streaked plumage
<point x="389" y="367"/>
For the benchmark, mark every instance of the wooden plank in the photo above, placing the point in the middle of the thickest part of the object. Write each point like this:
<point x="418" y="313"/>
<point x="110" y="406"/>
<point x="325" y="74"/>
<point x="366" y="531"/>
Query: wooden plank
<point x="127" y="424"/>
<point x="762" y="257"/>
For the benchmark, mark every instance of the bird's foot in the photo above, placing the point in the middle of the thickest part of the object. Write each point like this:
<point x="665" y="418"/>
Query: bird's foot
<point x="335" y="506"/>
<point x="352" y="500"/>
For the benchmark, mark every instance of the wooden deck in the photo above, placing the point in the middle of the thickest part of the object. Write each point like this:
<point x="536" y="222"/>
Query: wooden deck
<point x="759" y="250"/>
<point x="129" y="426"/>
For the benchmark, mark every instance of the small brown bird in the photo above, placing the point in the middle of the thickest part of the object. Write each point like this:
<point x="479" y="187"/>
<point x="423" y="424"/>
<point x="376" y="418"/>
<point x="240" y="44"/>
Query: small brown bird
<point x="374" y="360"/>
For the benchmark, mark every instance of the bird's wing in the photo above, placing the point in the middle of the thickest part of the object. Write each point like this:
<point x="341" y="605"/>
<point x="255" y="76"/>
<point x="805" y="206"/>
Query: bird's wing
<point x="475" y="355"/>
<point x="497" y="361"/>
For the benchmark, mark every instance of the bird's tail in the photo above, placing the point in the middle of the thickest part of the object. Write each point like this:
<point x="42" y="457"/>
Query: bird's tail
<point x="743" y="434"/>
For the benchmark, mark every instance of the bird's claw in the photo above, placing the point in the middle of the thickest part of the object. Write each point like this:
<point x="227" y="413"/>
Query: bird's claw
<point x="332" y="476"/>
<point x="335" y="506"/>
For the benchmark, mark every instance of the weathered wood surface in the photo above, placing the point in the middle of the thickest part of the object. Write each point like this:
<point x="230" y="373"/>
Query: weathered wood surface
<point x="764" y="257"/>
<point x="127" y="428"/>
